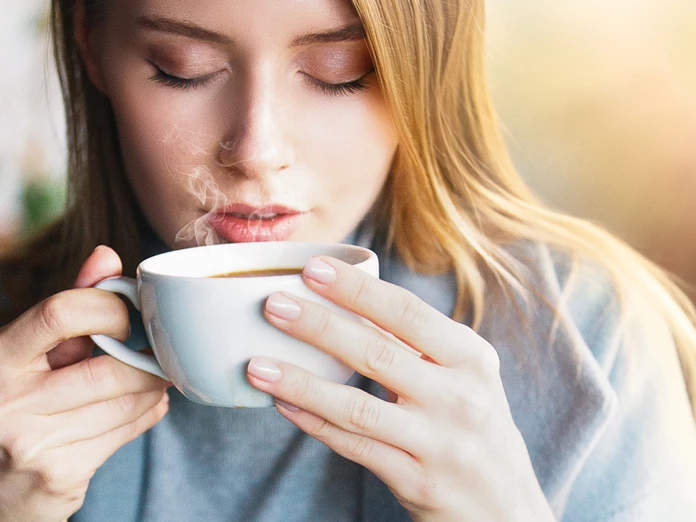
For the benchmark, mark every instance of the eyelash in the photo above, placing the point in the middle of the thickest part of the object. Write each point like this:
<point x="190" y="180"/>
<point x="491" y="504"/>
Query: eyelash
<point x="330" y="89"/>
<point x="184" y="84"/>
<point x="339" y="89"/>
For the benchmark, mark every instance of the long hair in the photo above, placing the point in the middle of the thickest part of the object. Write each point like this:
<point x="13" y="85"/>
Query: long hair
<point x="453" y="200"/>
<point x="100" y="206"/>
<point x="454" y="197"/>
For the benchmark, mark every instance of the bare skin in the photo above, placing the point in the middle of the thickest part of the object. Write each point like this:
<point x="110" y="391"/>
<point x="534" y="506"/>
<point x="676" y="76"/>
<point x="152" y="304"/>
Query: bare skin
<point x="446" y="445"/>
<point x="260" y="114"/>
<point x="63" y="413"/>
<point x="245" y="92"/>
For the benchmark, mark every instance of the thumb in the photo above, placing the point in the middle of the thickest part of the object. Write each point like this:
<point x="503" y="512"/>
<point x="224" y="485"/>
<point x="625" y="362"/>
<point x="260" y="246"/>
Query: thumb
<point x="102" y="263"/>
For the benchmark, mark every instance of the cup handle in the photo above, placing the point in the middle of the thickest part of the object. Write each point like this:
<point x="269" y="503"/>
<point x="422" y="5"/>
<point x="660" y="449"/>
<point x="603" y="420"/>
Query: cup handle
<point x="128" y="287"/>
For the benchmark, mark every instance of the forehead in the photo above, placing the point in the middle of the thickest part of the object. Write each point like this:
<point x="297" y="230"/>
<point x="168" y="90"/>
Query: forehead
<point x="240" y="19"/>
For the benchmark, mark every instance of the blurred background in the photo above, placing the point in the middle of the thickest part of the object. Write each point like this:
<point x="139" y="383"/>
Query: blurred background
<point x="32" y="141"/>
<point x="597" y="97"/>
<point x="598" y="101"/>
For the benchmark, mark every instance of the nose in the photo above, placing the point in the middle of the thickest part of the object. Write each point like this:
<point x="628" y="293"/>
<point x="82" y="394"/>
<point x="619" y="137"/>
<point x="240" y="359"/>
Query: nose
<point x="257" y="144"/>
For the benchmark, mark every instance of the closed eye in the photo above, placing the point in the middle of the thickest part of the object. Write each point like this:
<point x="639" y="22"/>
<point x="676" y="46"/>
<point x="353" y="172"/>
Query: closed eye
<point x="178" y="82"/>
<point x="339" y="89"/>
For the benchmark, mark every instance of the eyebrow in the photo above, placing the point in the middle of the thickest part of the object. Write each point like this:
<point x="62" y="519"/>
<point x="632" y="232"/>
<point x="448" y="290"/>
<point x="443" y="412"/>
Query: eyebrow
<point x="344" y="34"/>
<point x="167" y="25"/>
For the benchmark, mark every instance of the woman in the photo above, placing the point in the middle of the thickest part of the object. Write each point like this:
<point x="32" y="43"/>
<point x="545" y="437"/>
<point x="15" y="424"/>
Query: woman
<point x="329" y="120"/>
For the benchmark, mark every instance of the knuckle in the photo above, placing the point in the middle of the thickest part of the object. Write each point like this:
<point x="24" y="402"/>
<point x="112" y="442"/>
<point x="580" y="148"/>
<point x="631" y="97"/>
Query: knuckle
<point x="363" y="415"/>
<point x="380" y="356"/>
<point x="133" y="430"/>
<point x="319" y="431"/>
<point x="413" y="311"/>
<point x="473" y="406"/>
<point x="323" y="325"/>
<point x="360" y="448"/>
<point x="76" y="500"/>
<point x="303" y="386"/>
<point x="125" y="405"/>
<point x="465" y="455"/>
<point x="458" y="453"/>
<point x="415" y="479"/>
<point x="79" y="490"/>
<point x="53" y="316"/>
<point x="431" y="497"/>
<point x="53" y="480"/>
<point x="360" y="291"/>
<point x="75" y="490"/>
<point x="426" y="493"/>
<point x="98" y="374"/>
<point x="16" y="451"/>
<point x="117" y="310"/>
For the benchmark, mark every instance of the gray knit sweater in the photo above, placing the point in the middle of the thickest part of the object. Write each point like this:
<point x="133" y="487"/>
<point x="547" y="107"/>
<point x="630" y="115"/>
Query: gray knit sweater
<point x="607" y="425"/>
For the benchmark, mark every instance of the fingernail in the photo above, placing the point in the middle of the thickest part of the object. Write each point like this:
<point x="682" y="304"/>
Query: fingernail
<point x="264" y="369"/>
<point x="282" y="306"/>
<point x="320" y="271"/>
<point x="289" y="407"/>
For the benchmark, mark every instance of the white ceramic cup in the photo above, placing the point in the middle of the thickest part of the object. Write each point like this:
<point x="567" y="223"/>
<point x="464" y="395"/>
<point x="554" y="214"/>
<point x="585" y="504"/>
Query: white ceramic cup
<point x="204" y="330"/>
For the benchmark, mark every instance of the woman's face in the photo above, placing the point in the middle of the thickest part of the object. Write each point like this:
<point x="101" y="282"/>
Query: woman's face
<point x="244" y="120"/>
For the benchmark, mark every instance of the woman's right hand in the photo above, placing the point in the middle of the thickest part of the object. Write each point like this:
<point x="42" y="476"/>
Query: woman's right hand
<point x="63" y="413"/>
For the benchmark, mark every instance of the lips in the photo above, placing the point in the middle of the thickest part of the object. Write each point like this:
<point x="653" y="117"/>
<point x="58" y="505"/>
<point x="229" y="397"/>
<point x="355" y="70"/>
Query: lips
<point x="241" y="223"/>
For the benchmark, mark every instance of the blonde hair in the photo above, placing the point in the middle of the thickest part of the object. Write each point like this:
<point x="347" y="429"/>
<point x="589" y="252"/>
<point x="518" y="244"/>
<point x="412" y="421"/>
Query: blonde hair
<point x="454" y="200"/>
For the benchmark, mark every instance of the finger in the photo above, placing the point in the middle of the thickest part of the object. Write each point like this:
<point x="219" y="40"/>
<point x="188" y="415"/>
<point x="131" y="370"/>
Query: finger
<point x="102" y="263"/>
<point x="346" y="407"/>
<point x="393" y="466"/>
<point x="67" y="315"/>
<point x="102" y="447"/>
<point x="72" y="463"/>
<point x="91" y="381"/>
<point x="70" y="352"/>
<point x="394" y="309"/>
<point x="365" y="349"/>
<point x="99" y="418"/>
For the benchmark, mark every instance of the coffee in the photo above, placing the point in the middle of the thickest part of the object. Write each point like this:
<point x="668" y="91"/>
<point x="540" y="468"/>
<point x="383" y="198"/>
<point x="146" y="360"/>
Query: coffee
<point x="265" y="272"/>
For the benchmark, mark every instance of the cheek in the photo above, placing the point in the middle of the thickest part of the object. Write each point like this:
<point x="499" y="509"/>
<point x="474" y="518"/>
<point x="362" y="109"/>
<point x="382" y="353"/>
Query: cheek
<point x="166" y="149"/>
<point x="158" y="139"/>
<point x="351" y="153"/>
<point x="167" y="156"/>
<point x="352" y="149"/>
<point x="159" y="134"/>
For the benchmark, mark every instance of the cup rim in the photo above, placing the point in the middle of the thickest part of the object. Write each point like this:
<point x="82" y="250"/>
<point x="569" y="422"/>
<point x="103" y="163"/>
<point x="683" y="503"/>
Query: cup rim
<point x="144" y="266"/>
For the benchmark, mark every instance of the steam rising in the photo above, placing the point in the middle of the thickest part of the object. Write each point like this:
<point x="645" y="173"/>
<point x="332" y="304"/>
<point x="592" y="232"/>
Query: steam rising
<point x="201" y="185"/>
<point x="200" y="182"/>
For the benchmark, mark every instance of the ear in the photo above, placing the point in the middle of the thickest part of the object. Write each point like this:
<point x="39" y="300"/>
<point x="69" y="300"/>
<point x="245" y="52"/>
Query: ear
<point x="84" y="38"/>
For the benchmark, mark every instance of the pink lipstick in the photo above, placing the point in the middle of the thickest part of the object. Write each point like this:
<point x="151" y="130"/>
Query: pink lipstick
<point x="242" y="223"/>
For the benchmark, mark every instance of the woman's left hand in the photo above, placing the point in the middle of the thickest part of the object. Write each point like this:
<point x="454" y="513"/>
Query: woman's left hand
<point x="447" y="447"/>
